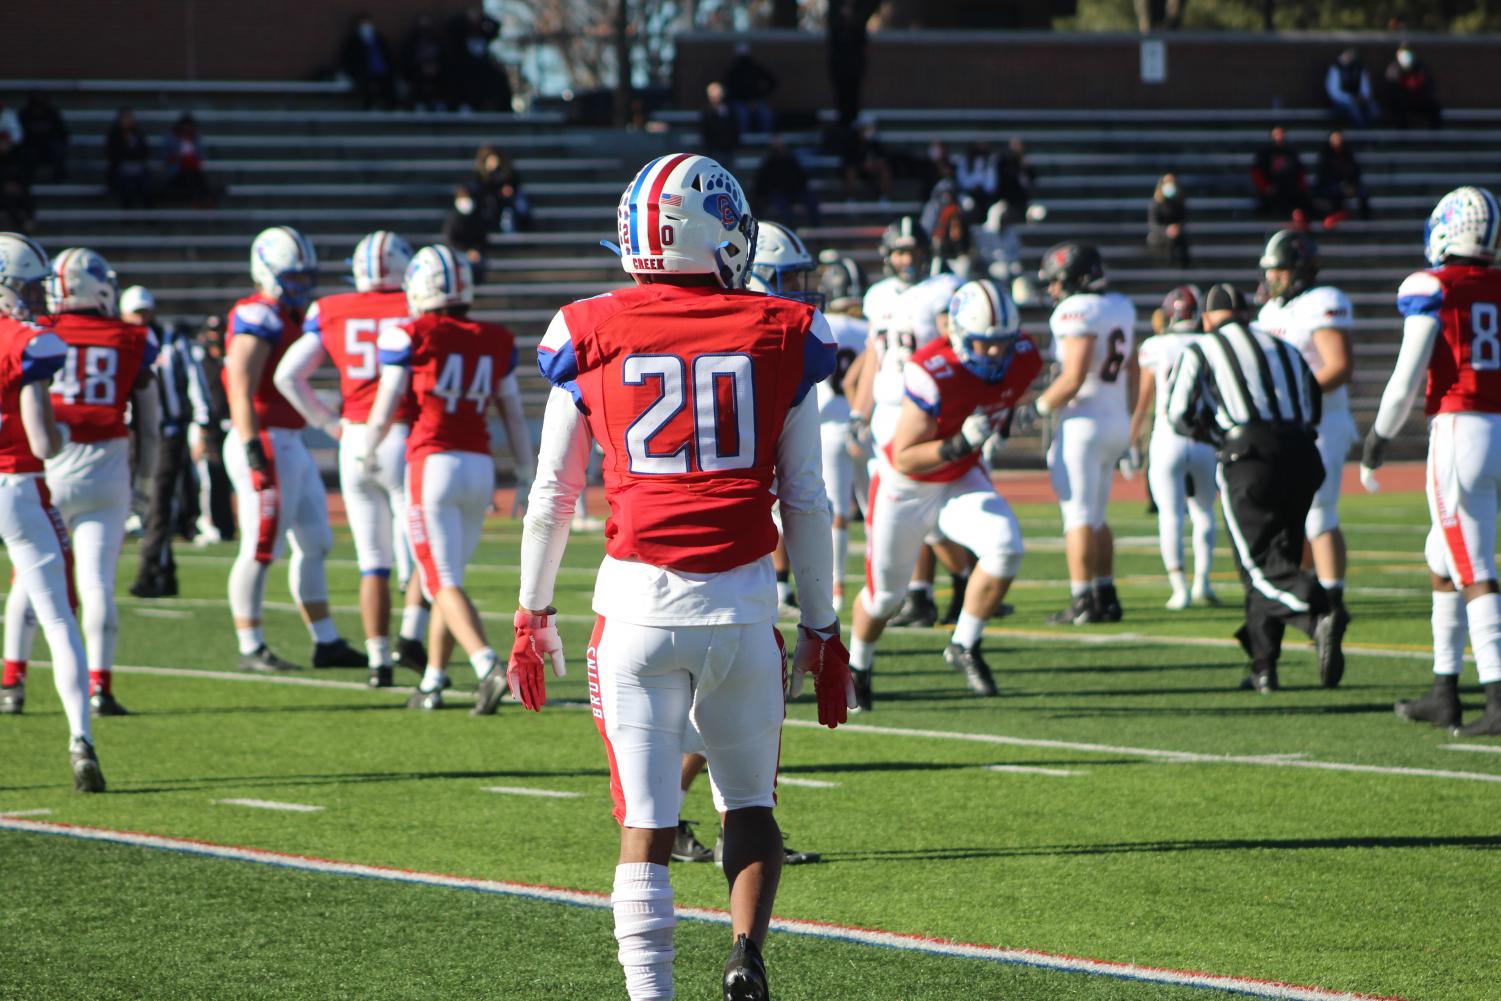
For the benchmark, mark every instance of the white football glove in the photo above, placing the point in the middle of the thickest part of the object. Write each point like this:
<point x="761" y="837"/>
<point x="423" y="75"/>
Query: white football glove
<point x="370" y="462"/>
<point x="1024" y="419"/>
<point x="1369" y="481"/>
<point x="1130" y="463"/>
<point x="977" y="429"/>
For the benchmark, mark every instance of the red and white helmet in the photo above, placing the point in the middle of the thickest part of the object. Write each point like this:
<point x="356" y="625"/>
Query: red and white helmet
<point x="23" y="273"/>
<point x="684" y="214"/>
<point x="438" y="278"/>
<point x="380" y="262"/>
<point x="284" y="265"/>
<point x="82" y="282"/>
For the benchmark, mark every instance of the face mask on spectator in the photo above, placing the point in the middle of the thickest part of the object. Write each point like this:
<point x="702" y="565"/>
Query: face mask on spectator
<point x="1169" y="191"/>
<point x="464" y="205"/>
<point x="1404" y="58"/>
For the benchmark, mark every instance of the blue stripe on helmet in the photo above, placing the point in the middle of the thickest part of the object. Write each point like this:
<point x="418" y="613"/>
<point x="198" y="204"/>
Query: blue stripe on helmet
<point x="447" y="275"/>
<point x="635" y="193"/>
<point x="371" y="242"/>
<point x="1492" y="213"/>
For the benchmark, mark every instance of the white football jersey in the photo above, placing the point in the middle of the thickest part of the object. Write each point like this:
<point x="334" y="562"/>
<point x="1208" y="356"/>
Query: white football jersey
<point x="1160" y="355"/>
<point x="850" y="333"/>
<point x="1295" y="320"/>
<point x="914" y="324"/>
<point x="1110" y="319"/>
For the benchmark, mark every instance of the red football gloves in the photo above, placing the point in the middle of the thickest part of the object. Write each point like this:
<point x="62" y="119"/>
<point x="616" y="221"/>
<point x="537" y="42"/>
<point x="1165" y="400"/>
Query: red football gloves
<point x="828" y="661"/>
<point x="536" y="637"/>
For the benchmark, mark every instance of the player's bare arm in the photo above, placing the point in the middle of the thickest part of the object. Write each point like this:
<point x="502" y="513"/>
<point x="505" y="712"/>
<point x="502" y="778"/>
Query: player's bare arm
<point x="1338" y="366"/>
<point x="1146" y="396"/>
<point x="244" y="362"/>
<point x="1075" y="356"/>
<point x="915" y="446"/>
<point x="42" y="433"/>
<point x="394" y="382"/>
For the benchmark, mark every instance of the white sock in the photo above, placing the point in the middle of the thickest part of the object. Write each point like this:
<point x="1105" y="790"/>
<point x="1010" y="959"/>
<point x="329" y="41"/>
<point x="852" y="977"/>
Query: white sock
<point x="251" y="638"/>
<point x="861" y="654"/>
<point x="841" y="555"/>
<point x="967" y="630"/>
<point x="323" y="630"/>
<point x="1179" y="582"/>
<point x="925" y="586"/>
<point x="414" y="622"/>
<point x="644" y="923"/>
<point x="1484" y="614"/>
<point x="1333" y="584"/>
<point x="1449" y="628"/>
<point x="433" y="679"/>
<point x="483" y="662"/>
<point x="378" y="650"/>
<point x="1078" y="587"/>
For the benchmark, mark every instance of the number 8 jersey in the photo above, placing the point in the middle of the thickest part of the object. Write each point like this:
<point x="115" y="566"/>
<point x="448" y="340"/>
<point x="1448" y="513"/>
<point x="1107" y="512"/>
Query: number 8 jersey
<point x="1464" y="371"/>
<point x="1110" y="319"/>
<point x="457" y="365"/>
<point x="686" y="390"/>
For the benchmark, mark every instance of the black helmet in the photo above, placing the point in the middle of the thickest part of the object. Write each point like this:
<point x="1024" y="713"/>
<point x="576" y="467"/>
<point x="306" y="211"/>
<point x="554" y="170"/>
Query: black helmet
<point x="841" y="280"/>
<point x="1078" y="266"/>
<point x="1292" y="251"/>
<point x="905" y="234"/>
<point x="1180" y="309"/>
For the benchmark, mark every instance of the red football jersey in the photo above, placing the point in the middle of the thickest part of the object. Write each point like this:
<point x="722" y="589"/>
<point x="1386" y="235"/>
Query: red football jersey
<point x="457" y="365"/>
<point x="1464" y="371"/>
<point x="27" y="354"/>
<point x="261" y="316"/>
<point x="937" y="381"/>
<point x="349" y="327"/>
<point x="105" y="359"/>
<point x="686" y="390"/>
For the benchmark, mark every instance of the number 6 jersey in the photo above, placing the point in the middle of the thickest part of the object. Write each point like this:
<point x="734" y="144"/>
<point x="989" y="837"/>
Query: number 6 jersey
<point x="1464" y="371"/>
<point x="686" y="390"/>
<point x="1110" y="319"/>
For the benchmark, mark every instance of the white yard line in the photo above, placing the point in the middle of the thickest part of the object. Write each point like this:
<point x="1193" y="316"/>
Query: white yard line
<point x="538" y="793"/>
<point x="271" y="804"/>
<point x="1033" y="770"/>
<point x="791" y="780"/>
<point x="26" y="813"/>
<point x="161" y="613"/>
<point x="1482" y="748"/>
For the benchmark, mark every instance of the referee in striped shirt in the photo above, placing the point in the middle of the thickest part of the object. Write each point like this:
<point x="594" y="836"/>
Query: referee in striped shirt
<point x="1253" y="397"/>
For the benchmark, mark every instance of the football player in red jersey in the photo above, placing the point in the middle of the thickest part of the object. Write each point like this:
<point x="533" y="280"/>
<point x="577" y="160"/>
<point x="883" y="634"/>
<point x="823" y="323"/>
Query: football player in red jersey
<point x="277" y="487"/>
<point x="961" y="391"/>
<point x="344" y="329"/>
<point x="453" y="367"/>
<point x="698" y="391"/>
<point x="108" y="367"/>
<point x="1451" y="335"/>
<point x="35" y="538"/>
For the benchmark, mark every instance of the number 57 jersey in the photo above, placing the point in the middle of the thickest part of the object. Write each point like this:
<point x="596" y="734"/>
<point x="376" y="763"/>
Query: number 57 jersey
<point x="1110" y="319"/>
<point x="686" y="390"/>
<point x="1464" y="371"/>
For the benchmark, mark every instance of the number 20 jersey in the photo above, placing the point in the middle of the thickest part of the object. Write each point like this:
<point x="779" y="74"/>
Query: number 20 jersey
<point x="1464" y="371"/>
<point x="1110" y="319"/>
<point x="686" y="390"/>
<point x="348" y="325"/>
<point x="105" y="358"/>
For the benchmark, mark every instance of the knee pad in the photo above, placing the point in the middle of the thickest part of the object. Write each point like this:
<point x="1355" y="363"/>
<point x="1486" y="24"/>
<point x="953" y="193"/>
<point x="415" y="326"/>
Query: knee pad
<point x="883" y="605"/>
<point x="1435" y="555"/>
<point x="1001" y="566"/>
<point x="1322" y="518"/>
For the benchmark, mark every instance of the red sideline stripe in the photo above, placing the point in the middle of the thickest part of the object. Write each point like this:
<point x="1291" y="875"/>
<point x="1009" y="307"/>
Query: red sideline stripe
<point x="1454" y="535"/>
<point x="597" y="710"/>
<point x="1059" y="962"/>
<point x="653" y="210"/>
<point x="269" y="497"/>
<point x="64" y="541"/>
<point x="417" y="528"/>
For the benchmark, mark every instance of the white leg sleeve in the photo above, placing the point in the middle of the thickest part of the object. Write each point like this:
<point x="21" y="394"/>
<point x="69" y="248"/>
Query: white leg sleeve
<point x="20" y="623"/>
<point x="97" y="538"/>
<point x="1165" y="474"/>
<point x="1450" y="626"/>
<point x="308" y="531"/>
<point x="1484" y="614"/>
<point x="644" y="923"/>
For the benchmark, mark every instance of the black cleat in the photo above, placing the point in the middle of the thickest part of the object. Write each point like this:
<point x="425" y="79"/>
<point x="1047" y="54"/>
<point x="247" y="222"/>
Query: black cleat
<point x="492" y="688"/>
<point x="1439" y="705"/>
<point x="1328" y="634"/>
<point x="1080" y="612"/>
<point x="1488" y="725"/>
<point x="969" y="661"/>
<point x="1264" y="682"/>
<point x="917" y="610"/>
<point x="411" y="653"/>
<point x="790" y="856"/>
<point x="380" y="677"/>
<point x="338" y="654"/>
<point x="155" y="585"/>
<point x="105" y="704"/>
<point x="12" y="699"/>
<point x="87" y="776"/>
<point x="687" y="848"/>
<point x="862" y="689"/>
<point x="1107" y="604"/>
<point x="745" y="973"/>
<point x="956" y="602"/>
<point x="263" y="661"/>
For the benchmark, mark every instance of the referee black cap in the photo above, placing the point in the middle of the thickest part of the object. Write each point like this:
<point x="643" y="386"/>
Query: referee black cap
<point x="1225" y="296"/>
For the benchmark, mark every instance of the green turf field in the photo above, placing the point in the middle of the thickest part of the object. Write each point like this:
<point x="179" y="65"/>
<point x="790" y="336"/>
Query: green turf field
<point x="1144" y="811"/>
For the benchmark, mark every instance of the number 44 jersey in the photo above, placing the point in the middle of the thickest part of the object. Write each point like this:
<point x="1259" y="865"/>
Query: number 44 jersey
<point x="106" y="358"/>
<point x="1464" y="371"/>
<point x="686" y="390"/>
<point x="1110" y="319"/>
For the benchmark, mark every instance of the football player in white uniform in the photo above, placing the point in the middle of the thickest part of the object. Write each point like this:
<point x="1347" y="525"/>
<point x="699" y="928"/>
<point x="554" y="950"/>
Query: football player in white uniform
<point x="1176" y="463"/>
<point x="1317" y="321"/>
<point x="1094" y="342"/>
<point x="845" y="480"/>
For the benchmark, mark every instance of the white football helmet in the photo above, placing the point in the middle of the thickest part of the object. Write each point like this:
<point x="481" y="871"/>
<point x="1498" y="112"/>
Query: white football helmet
<point x="23" y="274"/>
<point x="437" y="278"/>
<point x="780" y="254"/>
<point x="1465" y="223"/>
<point x="284" y="265"/>
<point x="380" y="262"/>
<point x="981" y="314"/>
<point x="685" y="214"/>
<point x="136" y="299"/>
<point x="82" y="282"/>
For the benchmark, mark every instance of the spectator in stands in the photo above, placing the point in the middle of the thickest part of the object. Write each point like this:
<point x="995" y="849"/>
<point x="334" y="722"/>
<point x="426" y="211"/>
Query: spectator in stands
<point x="747" y="86"/>
<point x="1280" y="182"/>
<point x="422" y="62"/>
<point x="503" y="204"/>
<point x="46" y="141"/>
<point x="1167" y="223"/>
<point x="17" y="207"/>
<point x="978" y="173"/>
<point x="477" y="81"/>
<point x="466" y="231"/>
<point x="865" y="163"/>
<point x="366" y="59"/>
<point x="718" y="129"/>
<point x="184" y="162"/>
<point x="1349" y="89"/>
<point x="846" y="47"/>
<point x="1017" y="178"/>
<point x="1338" y="180"/>
<point x="129" y="155"/>
<point x="945" y="193"/>
<point x="216" y="521"/>
<point x="953" y="245"/>
<point x="1409" y="91"/>
<point x="781" y="185"/>
<point x="10" y="124"/>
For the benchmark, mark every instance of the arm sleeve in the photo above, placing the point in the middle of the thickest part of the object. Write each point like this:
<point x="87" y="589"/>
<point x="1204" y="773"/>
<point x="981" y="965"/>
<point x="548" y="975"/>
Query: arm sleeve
<point x="1419" y="331"/>
<point x="394" y="380"/>
<point x="293" y="375"/>
<point x="562" y="465"/>
<point x="806" y="519"/>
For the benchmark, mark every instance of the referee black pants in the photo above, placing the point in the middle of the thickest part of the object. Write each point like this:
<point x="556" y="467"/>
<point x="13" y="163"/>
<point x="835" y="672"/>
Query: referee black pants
<point x="156" y="533"/>
<point x="1268" y="478"/>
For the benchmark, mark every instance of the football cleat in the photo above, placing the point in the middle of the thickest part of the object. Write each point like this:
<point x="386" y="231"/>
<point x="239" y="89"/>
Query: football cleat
<point x="338" y="654"/>
<point x="1080" y="612"/>
<point x="1205" y="596"/>
<point x="380" y="677"/>
<point x="12" y="699"/>
<point x="956" y="602"/>
<point x="1439" y="705"/>
<point x="263" y="661"/>
<point x="687" y="848"/>
<point x="790" y="856"/>
<point x="918" y="609"/>
<point x="425" y="700"/>
<point x="1107" y="604"/>
<point x="105" y="704"/>
<point x="1264" y="682"/>
<point x="745" y="973"/>
<point x="411" y="653"/>
<point x="87" y="776"/>
<point x="155" y="585"/>
<point x="1488" y="725"/>
<point x="1328" y="632"/>
<point x="976" y="671"/>
<point x="492" y="688"/>
<point x="1179" y="601"/>
<point x="861" y="680"/>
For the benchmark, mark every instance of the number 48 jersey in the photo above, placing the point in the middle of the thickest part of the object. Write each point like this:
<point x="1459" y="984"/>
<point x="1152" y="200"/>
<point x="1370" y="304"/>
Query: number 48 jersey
<point x="105" y="359"/>
<point x="1464" y="371"/>
<point x="348" y="325"/>
<point x="1110" y="319"/>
